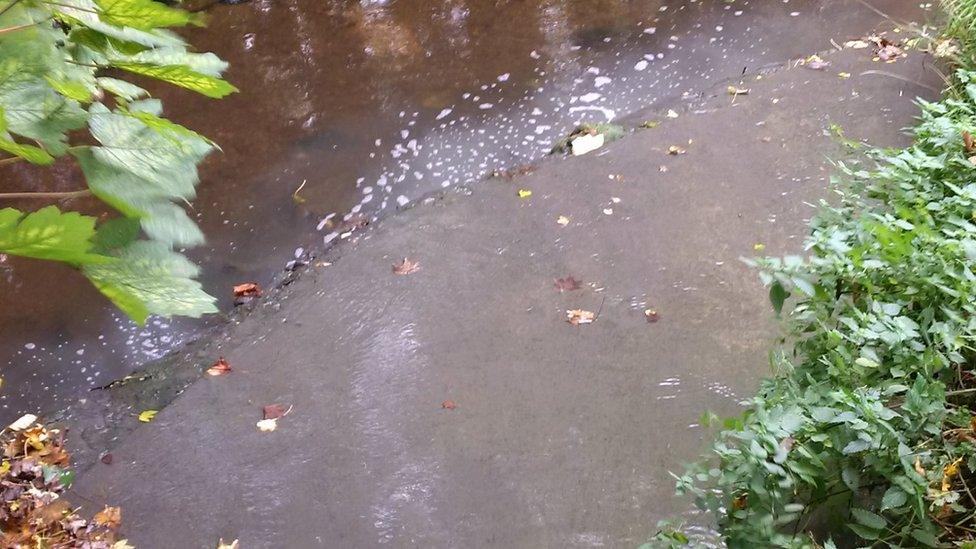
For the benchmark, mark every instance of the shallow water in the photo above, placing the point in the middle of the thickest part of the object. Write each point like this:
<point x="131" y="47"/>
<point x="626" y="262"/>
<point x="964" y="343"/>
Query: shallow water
<point x="367" y="106"/>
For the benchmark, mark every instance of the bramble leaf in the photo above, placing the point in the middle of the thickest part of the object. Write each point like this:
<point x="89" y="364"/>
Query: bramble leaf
<point x="49" y="234"/>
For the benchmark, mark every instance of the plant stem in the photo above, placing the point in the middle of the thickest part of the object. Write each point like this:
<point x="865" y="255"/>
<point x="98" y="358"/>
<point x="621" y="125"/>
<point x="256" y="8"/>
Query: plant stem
<point x="55" y="195"/>
<point x="20" y="27"/>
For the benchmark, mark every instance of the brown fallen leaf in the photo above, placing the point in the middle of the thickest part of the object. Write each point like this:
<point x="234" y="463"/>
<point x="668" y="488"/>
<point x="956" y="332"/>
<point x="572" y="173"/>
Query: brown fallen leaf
<point x="967" y="141"/>
<point x="567" y="284"/>
<point x="651" y="315"/>
<point x="406" y="267"/>
<point x="109" y="517"/>
<point x="889" y="53"/>
<point x="918" y="466"/>
<point x="247" y="289"/>
<point x="448" y="405"/>
<point x="219" y="368"/>
<point x="274" y="411"/>
<point x="579" y="316"/>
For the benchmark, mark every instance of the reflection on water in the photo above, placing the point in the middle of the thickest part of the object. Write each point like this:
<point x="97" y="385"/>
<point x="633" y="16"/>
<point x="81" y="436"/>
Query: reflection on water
<point x="370" y="104"/>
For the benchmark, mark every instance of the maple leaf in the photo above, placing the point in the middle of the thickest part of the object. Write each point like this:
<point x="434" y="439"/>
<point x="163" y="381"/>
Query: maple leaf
<point x="219" y="368"/>
<point x="579" y="316"/>
<point x="567" y="284"/>
<point x="406" y="267"/>
<point x="247" y="289"/>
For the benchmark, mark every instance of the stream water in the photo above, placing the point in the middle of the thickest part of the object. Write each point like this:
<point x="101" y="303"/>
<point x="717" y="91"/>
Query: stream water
<point x="367" y="105"/>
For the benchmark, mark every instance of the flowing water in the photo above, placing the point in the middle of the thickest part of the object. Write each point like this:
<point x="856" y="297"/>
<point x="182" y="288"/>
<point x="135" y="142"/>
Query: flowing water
<point x="364" y="107"/>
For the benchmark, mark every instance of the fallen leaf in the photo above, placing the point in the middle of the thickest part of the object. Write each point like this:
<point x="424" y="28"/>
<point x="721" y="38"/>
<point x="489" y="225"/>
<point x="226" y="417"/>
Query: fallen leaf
<point x="815" y="62"/>
<point x="889" y="53"/>
<point x="918" y="466"/>
<point x="406" y="267"/>
<point x="232" y="545"/>
<point x="122" y="544"/>
<point x="579" y="316"/>
<point x="759" y="247"/>
<point x="856" y="44"/>
<point x="672" y="113"/>
<point x="219" y="368"/>
<point x="651" y="315"/>
<point x="843" y="75"/>
<point x="948" y="473"/>
<point x="109" y="517"/>
<point x="567" y="284"/>
<point x="524" y="193"/>
<point x="268" y="425"/>
<point x="675" y="150"/>
<point x="247" y="289"/>
<point x="650" y="124"/>
<point x="274" y="411"/>
<point x="24" y="422"/>
<point x="147" y="415"/>
<point x="106" y="458"/>
<point x="562" y="220"/>
<point x="740" y="502"/>
<point x="733" y="91"/>
<point x="448" y="405"/>
<point x="967" y="141"/>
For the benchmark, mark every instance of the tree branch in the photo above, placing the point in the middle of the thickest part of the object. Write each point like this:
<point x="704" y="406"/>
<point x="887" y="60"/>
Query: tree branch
<point x="55" y="195"/>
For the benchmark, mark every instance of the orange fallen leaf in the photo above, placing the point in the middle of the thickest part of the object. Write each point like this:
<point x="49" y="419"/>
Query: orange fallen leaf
<point x="448" y="405"/>
<point x="109" y="517"/>
<point x="579" y="316"/>
<point x="219" y="368"/>
<point x="406" y="267"/>
<point x="247" y="289"/>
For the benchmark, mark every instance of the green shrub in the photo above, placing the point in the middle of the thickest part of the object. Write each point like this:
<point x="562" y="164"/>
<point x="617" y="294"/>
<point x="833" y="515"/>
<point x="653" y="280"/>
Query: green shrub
<point x="867" y="429"/>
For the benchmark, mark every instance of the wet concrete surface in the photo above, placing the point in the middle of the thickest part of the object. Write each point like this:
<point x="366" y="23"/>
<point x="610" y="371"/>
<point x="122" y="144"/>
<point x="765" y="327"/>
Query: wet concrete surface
<point x="371" y="105"/>
<point x="562" y="435"/>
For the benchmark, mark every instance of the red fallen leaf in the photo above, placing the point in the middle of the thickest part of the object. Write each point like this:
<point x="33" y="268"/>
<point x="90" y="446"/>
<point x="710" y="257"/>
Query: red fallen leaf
<point x="247" y="289"/>
<point x="106" y="459"/>
<point x="567" y="284"/>
<point x="274" y="411"/>
<point x="406" y="267"/>
<point x="219" y="368"/>
<point x="448" y="405"/>
<point x="651" y="315"/>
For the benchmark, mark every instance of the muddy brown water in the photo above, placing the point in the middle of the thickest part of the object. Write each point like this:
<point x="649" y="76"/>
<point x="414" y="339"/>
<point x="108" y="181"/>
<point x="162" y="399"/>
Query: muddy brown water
<point x="367" y="106"/>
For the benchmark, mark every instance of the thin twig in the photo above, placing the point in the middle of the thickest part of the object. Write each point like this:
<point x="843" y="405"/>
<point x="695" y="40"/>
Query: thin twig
<point x="56" y="195"/>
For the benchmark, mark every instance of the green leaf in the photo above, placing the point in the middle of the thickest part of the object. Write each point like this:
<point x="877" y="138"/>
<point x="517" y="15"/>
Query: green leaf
<point x="777" y="296"/>
<point x="869" y="519"/>
<point x="30" y="153"/>
<point x="926" y="538"/>
<point x="121" y="88"/>
<point x="115" y="234"/>
<point x="49" y="234"/>
<point x="864" y="532"/>
<point x="893" y="497"/>
<point x="182" y="76"/>
<point x="149" y="278"/>
<point x="144" y="14"/>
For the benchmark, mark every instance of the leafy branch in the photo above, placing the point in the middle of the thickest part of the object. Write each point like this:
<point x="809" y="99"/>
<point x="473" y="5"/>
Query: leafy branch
<point x="54" y="90"/>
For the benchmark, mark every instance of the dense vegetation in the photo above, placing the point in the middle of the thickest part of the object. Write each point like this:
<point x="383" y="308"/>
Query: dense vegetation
<point x="64" y="97"/>
<point x="866" y="436"/>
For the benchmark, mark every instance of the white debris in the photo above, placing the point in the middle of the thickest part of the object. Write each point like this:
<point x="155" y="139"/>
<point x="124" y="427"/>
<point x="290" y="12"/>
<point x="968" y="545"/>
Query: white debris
<point x="586" y="143"/>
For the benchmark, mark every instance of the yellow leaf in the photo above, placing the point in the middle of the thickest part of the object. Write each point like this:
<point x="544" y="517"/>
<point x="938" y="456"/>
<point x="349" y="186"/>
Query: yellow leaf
<point x="524" y="193"/>
<point x="4" y="468"/>
<point x="147" y="415"/>
<point x="951" y="470"/>
<point x="844" y="74"/>
<point x="759" y="247"/>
